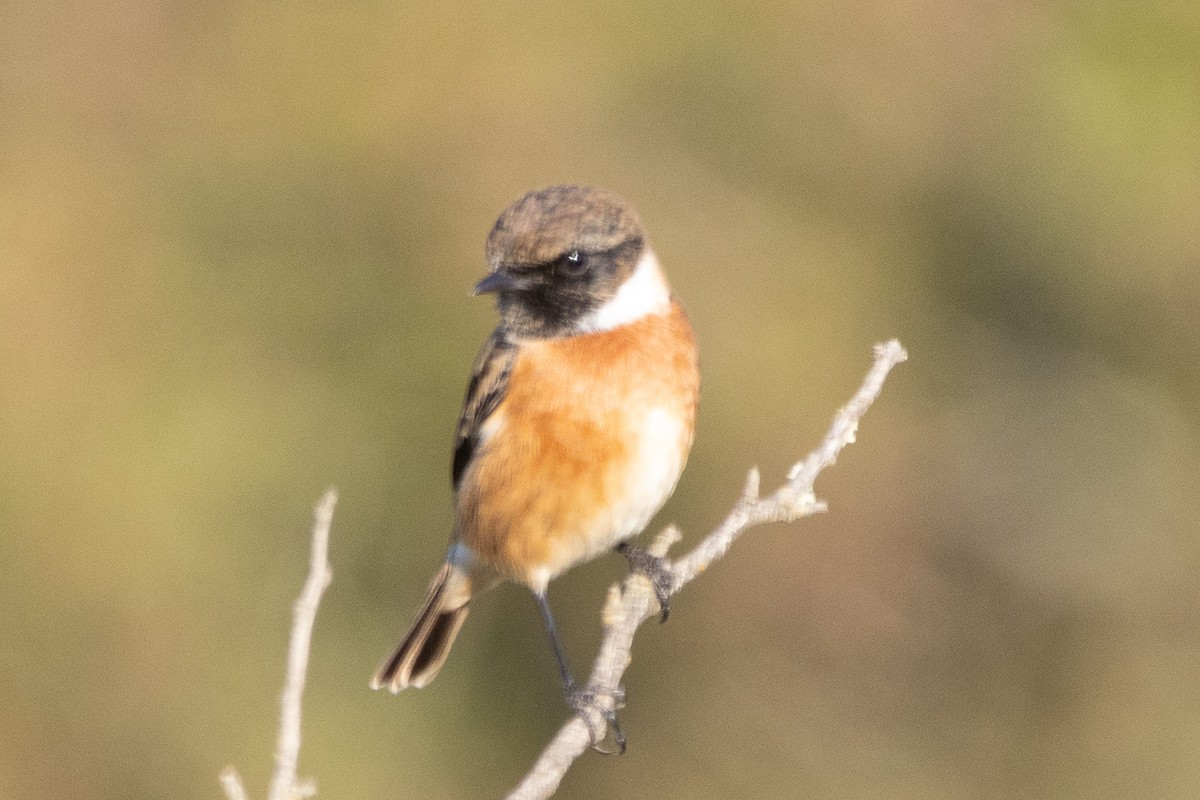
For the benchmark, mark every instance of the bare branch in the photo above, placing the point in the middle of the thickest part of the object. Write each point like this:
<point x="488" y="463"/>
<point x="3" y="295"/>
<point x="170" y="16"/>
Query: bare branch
<point x="284" y="785"/>
<point x="232" y="783"/>
<point x="634" y="601"/>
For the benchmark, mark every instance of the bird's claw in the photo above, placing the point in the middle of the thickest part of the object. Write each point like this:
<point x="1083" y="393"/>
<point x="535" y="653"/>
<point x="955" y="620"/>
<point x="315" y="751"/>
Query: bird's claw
<point x="587" y="702"/>
<point x="656" y="569"/>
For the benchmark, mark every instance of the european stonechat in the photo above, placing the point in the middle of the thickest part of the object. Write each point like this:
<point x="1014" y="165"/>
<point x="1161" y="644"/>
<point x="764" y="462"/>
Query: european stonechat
<point x="578" y="418"/>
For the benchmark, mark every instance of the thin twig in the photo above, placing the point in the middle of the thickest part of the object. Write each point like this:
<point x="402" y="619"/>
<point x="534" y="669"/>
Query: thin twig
<point x="634" y="601"/>
<point x="284" y="785"/>
<point x="232" y="783"/>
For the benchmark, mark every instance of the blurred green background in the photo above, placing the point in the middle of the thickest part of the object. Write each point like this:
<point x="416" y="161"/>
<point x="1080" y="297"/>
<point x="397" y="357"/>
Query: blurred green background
<point x="236" y="246"/>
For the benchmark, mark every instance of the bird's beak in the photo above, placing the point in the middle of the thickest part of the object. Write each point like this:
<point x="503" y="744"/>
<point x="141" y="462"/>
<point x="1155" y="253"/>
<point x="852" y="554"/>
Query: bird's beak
<point x="497" y="282"/>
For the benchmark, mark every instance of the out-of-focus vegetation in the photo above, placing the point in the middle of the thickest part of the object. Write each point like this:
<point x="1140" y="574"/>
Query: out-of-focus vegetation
<point x="236" y="242"/>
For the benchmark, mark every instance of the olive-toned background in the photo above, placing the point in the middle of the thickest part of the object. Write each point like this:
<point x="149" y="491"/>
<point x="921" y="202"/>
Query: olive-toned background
<point x="236" y="245"/>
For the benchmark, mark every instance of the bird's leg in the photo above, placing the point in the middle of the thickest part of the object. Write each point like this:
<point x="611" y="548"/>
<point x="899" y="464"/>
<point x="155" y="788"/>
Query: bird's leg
<point x="583" y="700"/>
<point x="656" y="569"/>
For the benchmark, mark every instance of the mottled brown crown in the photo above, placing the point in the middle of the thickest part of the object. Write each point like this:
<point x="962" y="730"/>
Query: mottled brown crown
<point x="547" y="223"/>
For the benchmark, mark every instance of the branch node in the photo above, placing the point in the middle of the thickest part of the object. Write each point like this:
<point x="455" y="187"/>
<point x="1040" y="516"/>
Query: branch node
<point x="802" y="503"/>
<point x="613" y="608"/>
<point x="751" y="489"/>
<point x="284" y="785"/>
<point x="232" y="783"/>
<point x="891" y="351"/>
<point x="663" y="542"/>
<point x="624" y="612"/>
<point x="805" y="466"/>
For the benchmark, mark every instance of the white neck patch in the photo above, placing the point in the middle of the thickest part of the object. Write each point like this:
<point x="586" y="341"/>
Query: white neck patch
<point x="644" y="292"/>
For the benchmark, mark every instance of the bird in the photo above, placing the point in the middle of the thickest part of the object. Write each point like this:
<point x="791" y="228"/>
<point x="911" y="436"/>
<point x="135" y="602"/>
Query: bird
<point x="577" y="423"/>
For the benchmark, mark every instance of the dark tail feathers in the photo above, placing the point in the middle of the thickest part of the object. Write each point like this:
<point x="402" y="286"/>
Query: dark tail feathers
<point x="424" y="648"/>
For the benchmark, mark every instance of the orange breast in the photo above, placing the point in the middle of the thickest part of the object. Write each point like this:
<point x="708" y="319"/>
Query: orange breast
<point x="587" y="443"/>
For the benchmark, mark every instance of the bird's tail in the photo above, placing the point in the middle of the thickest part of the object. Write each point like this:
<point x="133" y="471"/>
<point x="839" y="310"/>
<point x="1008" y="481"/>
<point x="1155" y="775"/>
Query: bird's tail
<point x="424" y="648"/>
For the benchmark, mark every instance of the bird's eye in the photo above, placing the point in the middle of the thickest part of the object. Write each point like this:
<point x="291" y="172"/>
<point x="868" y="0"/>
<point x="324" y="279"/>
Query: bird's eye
<point x="572" y="264"/>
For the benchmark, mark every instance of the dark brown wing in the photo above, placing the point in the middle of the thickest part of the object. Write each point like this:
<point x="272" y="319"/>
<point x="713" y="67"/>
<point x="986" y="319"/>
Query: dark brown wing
<point x="484" y="393"/>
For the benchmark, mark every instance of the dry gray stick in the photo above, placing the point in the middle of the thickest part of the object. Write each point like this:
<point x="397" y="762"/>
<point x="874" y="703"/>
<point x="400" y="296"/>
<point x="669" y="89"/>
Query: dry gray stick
<point x="284" y="785"/>
<point x="630" y="604"/>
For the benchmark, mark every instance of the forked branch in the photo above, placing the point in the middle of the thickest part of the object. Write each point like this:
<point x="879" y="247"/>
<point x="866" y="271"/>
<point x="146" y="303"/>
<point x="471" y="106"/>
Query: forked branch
<point x="634" y="601"/>
<point x="284" y="784"/>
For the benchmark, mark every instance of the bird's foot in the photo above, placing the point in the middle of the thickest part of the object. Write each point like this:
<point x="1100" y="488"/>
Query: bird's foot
<point x="656" y="569"/>
<point x="588" y="703"/>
